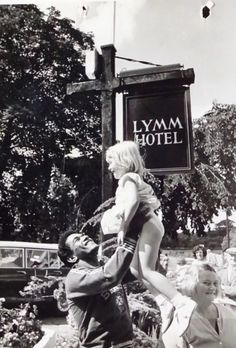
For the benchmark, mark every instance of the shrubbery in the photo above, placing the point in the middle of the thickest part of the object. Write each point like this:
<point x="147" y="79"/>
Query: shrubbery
<point x="19" y="327"/>
<point x="48" y="286"/>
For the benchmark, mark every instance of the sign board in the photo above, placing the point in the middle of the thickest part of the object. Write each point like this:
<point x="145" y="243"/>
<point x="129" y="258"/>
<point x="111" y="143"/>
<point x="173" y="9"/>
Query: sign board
<point x="161" y="122"/>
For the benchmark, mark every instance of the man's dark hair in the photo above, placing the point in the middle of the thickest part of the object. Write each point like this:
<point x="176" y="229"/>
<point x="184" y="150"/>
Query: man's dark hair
<point x="63" y="251"/>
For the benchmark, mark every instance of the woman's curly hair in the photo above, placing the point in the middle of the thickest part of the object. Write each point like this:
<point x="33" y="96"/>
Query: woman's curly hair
<point x="197" y="248"/>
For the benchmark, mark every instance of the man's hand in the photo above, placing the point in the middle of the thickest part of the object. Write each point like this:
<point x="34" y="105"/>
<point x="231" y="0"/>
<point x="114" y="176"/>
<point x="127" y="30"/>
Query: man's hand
<point x="120" y="238"/>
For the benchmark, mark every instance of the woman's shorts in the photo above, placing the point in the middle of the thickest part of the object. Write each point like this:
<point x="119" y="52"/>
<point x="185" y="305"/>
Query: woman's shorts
<point x="142" y="215"/>
<point x="112" y="220"/>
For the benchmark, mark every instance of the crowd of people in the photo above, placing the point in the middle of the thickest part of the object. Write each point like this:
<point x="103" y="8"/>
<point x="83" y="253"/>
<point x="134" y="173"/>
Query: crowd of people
<point x="191" y="316"/>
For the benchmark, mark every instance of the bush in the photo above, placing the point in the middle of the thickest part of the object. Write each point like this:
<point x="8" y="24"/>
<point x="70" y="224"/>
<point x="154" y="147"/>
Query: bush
<point x="48" y="286"/>
<point x="145" y="314"/>
<point x="19" y="327"/>
<point x="142" y="340"/>
<point x="39" y="287"/>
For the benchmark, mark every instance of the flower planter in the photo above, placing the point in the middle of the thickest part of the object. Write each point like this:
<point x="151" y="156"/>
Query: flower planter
<point x="48" y="340"/>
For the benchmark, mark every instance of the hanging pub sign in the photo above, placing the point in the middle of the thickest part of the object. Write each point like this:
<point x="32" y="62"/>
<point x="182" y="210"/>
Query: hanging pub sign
<point x="161" y="122"/>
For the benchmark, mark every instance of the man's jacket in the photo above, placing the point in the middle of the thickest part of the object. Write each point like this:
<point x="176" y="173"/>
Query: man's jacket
<point x="98" y="302"/>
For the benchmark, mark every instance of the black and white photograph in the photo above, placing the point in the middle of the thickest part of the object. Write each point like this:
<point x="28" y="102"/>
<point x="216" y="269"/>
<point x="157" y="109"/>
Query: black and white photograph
<point x="117" y="174"/>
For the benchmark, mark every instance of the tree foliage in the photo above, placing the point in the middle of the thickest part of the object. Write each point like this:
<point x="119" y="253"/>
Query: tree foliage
<point x="192" y="199"/>
<point x="40" y="54"/>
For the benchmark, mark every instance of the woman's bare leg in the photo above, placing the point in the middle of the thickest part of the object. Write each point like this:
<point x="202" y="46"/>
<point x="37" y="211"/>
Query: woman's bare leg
<point x="143" y="264"/>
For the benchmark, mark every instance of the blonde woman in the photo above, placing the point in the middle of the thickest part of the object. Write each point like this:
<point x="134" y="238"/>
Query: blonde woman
<point x="136" y="207"/>
<point x="211" y="324"/>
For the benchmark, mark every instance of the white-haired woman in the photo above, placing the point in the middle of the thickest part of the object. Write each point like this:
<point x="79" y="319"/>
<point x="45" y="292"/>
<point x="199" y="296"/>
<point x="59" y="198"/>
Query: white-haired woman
<point x="212" y="324"/>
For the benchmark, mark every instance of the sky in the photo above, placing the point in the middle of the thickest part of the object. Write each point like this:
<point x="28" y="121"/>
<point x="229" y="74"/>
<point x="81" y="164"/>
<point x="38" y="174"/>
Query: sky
<point x="165" y="32"/>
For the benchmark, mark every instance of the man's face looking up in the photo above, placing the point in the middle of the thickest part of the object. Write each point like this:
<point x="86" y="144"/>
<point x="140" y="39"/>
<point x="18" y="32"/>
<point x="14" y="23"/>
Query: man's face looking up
<point x="81" y="245"/>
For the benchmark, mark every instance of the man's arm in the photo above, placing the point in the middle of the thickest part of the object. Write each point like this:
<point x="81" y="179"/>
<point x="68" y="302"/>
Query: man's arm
<point x="90" y="282"/>
<point x="230" y="290"/>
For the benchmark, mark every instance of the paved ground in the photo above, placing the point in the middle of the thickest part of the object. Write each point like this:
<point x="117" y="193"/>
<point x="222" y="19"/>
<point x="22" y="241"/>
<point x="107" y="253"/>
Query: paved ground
<point x="56" y="324"/>
<point x="65" y="335"/>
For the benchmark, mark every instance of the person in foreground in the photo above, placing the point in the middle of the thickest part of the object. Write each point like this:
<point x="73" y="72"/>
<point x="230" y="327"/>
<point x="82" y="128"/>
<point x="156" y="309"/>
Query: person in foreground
<point x="97" y="303"/>
<point x="136" y="205"/>
<point x="212" y="323"/>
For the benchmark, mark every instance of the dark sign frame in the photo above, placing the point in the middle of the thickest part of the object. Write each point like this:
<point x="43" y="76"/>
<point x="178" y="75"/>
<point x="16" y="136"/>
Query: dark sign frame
<point x="160" y="120"/>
